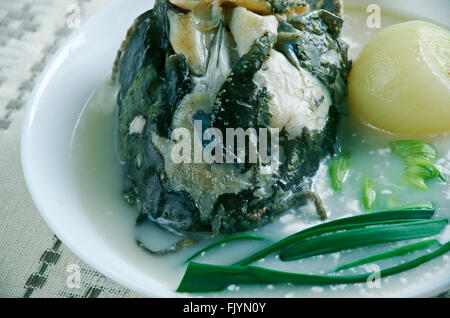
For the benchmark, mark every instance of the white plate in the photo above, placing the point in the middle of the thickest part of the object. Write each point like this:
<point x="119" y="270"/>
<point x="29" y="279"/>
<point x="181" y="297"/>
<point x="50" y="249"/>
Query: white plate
<point x="56" y="103"/>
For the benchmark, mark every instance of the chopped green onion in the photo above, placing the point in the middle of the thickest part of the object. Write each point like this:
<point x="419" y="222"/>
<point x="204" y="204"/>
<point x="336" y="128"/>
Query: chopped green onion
<point x="414" y="148"/>
<point x="392" y="253"/>
<point x="369" y="194"/>
<point x="422" y="211"/>
<point x="419" y="170"/>
<point x="353" y="238"/>
<point x="418" y="165"/>
<point x="339" y="170"/>
<point x="207" y="278"/>
<point x="243" y="236"/>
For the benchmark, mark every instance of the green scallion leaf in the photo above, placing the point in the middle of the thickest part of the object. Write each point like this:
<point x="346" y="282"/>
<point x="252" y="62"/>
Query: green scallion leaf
<point x="418" y="165"/>
<point x="338" y="241"/>
<point x="414" y="148"/>
<point x="419" y="170"/>
<point x="389" y="254"/>
<point x="339" y="170"/>
<point x="425" y="206"/>
<point x="207" y="278"/>
<point x="421" y="211"/>
<point x="369" y="194"/>
<point x="237" y="237"/>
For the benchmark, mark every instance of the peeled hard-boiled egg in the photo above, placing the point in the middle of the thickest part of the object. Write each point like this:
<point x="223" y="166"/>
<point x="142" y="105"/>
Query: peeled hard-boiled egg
<point x="401" y="80"/>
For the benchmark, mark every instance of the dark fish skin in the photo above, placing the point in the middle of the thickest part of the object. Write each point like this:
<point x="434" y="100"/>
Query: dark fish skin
<point x="282" y="6"/>
<point x="334" y="6"/>
<point x="147" y="43"/>
<point x="305" y="39"/>
<point x="153" y="81"/>
<point x="236" y="103"/>
<point x="177" y="85"/>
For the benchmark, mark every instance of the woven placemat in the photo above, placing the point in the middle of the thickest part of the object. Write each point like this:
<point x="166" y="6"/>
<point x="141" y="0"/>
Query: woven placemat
<point x="33" y="262"/>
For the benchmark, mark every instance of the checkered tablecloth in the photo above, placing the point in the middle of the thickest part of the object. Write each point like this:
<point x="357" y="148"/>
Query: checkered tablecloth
<point x="33" y="261"/>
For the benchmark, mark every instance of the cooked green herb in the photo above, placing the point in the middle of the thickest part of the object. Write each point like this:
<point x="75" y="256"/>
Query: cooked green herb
<point x="392" y="253"/>
<point x="418" y="165"/>
<point x="338" y="241"/>
<point x="414" y="148"/>
<point x="206" y="278"/>
<point x="405" y="222"/>
<point x="369" y="194"/>
<point x="237" y="237"/>
<point x="422" y="211"/>
<point x="419" y="170"/>
<point x="425" y="206"/>
<point x="339" y="170"/>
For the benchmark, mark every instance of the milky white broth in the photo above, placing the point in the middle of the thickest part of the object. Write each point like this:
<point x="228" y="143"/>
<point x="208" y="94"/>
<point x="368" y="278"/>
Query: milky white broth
<point x="98" y="176"/>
